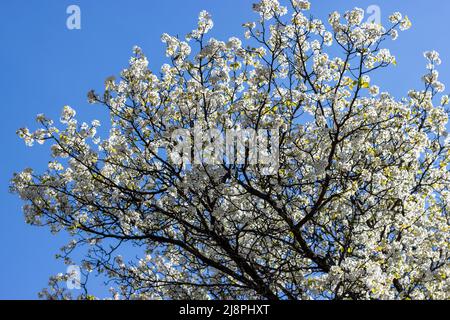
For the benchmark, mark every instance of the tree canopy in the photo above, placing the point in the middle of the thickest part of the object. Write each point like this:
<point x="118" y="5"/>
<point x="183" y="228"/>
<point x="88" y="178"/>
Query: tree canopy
<point x="357" y="205"/>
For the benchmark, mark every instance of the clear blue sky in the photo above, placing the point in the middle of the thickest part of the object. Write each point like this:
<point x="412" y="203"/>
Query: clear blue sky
<point x="45" y="66"/>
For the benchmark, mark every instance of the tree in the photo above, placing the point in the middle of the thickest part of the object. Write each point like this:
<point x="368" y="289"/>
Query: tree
<point x="357" y="205"/>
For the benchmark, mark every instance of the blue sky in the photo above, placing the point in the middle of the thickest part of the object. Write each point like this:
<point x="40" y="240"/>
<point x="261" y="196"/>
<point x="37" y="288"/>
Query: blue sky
<point x="45" y="66"/>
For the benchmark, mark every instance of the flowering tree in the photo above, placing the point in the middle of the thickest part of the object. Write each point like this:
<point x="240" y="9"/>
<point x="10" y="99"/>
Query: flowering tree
<point x="356" y="209"/>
